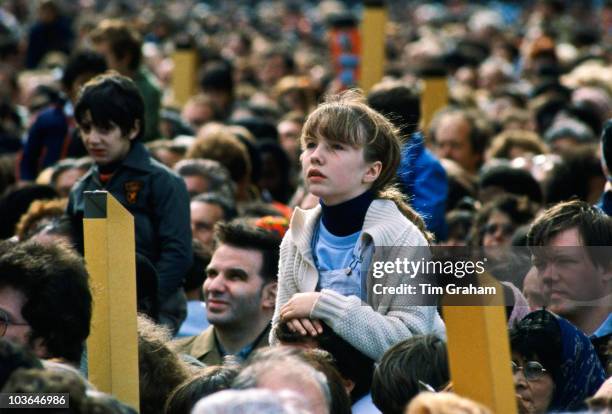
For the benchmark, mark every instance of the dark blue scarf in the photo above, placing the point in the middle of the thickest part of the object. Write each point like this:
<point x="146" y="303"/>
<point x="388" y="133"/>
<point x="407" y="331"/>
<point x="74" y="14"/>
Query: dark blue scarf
<point x="580" y="374"/>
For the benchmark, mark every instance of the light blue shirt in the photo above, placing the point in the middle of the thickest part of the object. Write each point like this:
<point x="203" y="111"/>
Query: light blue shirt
<point x="196" y="321"/>
<point x="365" y="406"/>
<point x="605" y="328"/>
<point x="338" y="261"/>
<point x="334" y="252"/>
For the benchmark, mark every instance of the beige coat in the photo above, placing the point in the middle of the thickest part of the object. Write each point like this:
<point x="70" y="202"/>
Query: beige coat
<point x="389" y="318"/>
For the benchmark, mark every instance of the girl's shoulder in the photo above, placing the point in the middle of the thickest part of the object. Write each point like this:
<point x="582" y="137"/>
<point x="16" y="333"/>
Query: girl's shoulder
<point x="301" y="228"/>
<point x="388" y="226"/>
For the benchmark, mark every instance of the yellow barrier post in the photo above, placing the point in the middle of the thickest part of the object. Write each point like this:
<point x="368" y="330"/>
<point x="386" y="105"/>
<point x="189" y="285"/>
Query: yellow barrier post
<point x="434" y="97"/>
<point x="112" y="346"/>
<point x="184" y="75"/>
<point x="372" y="44"/>
<point x="479" y="351"/>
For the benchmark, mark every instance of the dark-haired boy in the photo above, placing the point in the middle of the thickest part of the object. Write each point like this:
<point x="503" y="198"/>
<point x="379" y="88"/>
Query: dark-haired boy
<point x="110" y="116"/>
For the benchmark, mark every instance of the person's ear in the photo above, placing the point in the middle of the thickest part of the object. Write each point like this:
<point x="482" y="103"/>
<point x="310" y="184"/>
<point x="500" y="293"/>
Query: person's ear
<point x="268" y="295"/>
<point x="606" y="275"/>
<point x="372" y="172"/>
<point x="39" y="348"/>
<point x="135" y="130"/>
<point x="349" y="385"/>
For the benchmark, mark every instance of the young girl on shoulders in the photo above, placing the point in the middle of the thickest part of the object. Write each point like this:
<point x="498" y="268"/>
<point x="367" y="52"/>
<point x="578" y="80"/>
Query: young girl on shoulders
<point x="349" y="160"/>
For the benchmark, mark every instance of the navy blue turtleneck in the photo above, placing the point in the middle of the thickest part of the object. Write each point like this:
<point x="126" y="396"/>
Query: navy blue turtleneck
<point x="347" y="217"/>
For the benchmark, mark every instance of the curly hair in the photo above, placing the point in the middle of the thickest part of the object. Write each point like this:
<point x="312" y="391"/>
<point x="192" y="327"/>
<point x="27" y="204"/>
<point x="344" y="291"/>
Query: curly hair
<point x="55" y="285"/>
<point x="161" y="370"/>
<point x="39" y="214"/>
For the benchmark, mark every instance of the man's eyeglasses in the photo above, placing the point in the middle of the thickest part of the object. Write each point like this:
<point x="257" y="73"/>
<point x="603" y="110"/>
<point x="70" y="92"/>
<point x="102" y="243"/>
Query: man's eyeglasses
<point x="490" y="229"/>
<point x="532" y="370"/>
<point x="5" y="322"/>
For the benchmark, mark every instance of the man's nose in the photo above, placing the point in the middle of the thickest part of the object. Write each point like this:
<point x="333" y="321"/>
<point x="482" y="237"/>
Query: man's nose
<point x="548" y="272"/>
<point x="216" y="284"/>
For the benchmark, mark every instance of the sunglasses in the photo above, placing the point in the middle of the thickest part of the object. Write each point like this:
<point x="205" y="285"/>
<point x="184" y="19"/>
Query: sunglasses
<point x="532" y="370"/>
<point x="5" y="321"/>
<point x="491" y="229"/>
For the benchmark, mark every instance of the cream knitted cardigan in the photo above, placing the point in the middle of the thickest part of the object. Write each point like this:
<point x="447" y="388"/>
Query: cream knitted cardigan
<point x="371" y="329"/>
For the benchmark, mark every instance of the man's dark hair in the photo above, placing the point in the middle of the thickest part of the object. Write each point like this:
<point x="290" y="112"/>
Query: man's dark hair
<point x="210" y="380"/>
<point x="594" y="227"/>
<point x="396" y="378"/>
<point x="58" y="301"/>
<point x="574" y="175"/>
<point x="513" y="180"/>
<point x="217" y="76"/>
<point x="80" y="63"/>
<point x="350" y="362"/>
<point x="241" y="234"/>
<point x="111" y="99"/>
<point x="14" y="356"/>
<point x="400" y="103"/>
<point x="606" y="144"/>
<point x="218" y="199"/>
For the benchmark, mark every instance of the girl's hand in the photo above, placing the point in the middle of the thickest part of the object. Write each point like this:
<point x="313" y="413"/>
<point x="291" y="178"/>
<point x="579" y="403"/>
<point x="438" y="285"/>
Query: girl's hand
<point x="299" y="306"/>
<point x="305" y="326"/>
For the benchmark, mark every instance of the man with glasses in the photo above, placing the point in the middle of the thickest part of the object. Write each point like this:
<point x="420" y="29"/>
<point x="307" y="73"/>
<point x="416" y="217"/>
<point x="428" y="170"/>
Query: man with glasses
<point x="45" y="301"/>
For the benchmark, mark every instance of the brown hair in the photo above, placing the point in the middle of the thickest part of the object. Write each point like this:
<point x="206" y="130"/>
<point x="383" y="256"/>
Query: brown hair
<point x="222" y="145"/>
<point x="593" y="225"/>
<point x="161" y="370"/>
<point x="122" y="38"/>
<point x="345" y="118"/>
<point x="502" y="144"/>
<point x="40" y="213"/>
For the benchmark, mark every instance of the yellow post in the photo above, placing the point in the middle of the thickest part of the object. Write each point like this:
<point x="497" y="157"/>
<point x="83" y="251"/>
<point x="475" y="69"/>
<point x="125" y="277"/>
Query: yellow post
<point x="372" y="44"/>
<point x="479" y="352"/>
<point x="184" y="75"/>
<point x="433" y="98"/>
<point x="112" y="346"/>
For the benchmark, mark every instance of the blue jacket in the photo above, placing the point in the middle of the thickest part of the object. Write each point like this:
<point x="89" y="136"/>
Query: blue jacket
<point x="47" y="142"/>
<point x="605" y="203"/>
<point x="159" y="202"/>
<point x="423" y="180"/>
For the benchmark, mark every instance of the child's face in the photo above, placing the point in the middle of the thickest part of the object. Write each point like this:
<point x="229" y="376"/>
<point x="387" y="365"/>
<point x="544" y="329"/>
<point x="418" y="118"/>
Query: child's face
<point x="336" y="172"/>
<point x="105" y="145"/>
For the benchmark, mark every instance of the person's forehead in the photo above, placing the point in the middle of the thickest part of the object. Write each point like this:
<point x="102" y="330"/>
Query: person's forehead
<point x="456" y="123"/>
<point x="227" y="256"/>
<point x="566" y="238"/>
<point x="205" y="209"/>
<point x="11" y="301"/>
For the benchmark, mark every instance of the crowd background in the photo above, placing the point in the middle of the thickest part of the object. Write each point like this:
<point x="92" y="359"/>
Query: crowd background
<point x="530" y="91"/>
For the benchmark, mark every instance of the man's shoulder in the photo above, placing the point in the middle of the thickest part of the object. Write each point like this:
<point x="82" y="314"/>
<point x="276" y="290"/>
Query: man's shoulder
<point x="194" y="344"/>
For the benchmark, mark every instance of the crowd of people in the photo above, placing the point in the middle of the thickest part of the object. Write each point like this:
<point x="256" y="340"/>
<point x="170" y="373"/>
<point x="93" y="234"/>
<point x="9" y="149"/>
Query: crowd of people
<point x="262" y="202"/>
